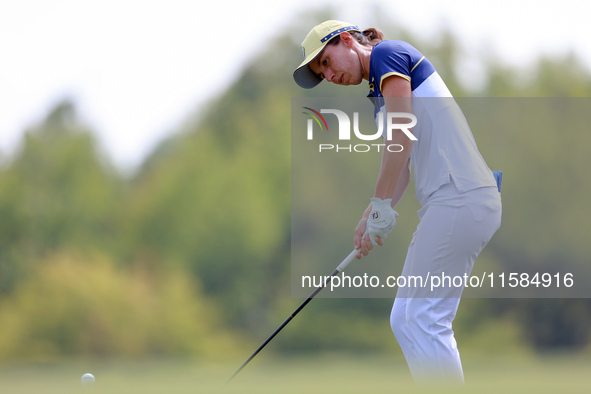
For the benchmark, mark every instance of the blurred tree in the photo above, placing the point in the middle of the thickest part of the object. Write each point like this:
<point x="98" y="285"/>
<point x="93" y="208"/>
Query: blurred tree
<point x="57" y="192"/>
<point x="85" y="306"/>
<point x="556" y="323"/>
<point x="215" y="199"/>
<point x="558" y="76"/>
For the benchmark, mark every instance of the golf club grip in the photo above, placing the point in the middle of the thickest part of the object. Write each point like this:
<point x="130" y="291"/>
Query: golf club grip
<point x="347" y="260"/>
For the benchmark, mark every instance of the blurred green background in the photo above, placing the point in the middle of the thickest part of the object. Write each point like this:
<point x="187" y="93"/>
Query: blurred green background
<point x="168" y="278"/>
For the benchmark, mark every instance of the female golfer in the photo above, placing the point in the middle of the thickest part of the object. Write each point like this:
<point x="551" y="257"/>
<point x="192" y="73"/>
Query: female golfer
<point x="460" y="199"/>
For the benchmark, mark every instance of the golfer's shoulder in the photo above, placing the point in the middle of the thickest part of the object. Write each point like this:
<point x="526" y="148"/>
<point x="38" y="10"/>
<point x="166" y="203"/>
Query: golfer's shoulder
<point x="383" y="48"/>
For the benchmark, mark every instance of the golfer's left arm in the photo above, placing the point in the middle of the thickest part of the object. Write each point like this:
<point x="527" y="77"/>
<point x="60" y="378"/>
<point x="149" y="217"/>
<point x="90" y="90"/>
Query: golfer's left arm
<point x="393" y="163"/>
<point x="394" y="170"/>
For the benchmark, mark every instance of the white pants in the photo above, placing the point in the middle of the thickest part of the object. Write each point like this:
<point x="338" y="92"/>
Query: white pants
<point x="453" y="230"/>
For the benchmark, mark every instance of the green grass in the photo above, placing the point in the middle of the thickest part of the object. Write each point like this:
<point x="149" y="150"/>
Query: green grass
<point x="323" y="374"/>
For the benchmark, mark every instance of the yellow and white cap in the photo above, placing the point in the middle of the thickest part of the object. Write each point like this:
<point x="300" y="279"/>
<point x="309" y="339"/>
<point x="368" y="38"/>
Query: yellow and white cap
<point x="313" y="44"/>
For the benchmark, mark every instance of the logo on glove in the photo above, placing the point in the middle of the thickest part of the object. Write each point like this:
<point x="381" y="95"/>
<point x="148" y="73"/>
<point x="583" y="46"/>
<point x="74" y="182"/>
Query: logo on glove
<point x="375" y="215"/>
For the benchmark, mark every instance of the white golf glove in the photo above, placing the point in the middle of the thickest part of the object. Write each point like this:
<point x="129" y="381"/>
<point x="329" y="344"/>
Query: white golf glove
<point x="381" y="220"/>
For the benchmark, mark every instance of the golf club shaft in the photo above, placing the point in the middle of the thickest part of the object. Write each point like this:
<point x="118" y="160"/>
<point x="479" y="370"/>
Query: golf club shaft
<point x="340" y="268"/>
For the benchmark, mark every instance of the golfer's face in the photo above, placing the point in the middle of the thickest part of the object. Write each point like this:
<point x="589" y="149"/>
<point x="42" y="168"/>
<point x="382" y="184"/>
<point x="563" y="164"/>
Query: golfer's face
<point x="338" y="64"/>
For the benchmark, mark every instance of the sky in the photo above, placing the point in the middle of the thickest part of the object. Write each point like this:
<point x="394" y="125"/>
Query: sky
<point x="137" y="70"/>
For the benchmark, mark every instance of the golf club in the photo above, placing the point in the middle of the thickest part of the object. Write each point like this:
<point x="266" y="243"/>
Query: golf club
<point x="340" y="268"/>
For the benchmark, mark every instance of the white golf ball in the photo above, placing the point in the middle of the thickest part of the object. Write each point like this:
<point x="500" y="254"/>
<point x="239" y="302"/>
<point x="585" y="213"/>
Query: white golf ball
<point x="87" y="378"/>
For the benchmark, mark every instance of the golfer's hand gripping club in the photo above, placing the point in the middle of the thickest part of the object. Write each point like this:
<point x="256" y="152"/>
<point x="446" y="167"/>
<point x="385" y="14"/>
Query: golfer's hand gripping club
<point x="381" y="220"/>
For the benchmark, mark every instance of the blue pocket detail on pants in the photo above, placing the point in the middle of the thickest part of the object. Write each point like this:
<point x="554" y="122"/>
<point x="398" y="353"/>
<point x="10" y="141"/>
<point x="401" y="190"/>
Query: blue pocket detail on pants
<point x="499" y="178"/>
